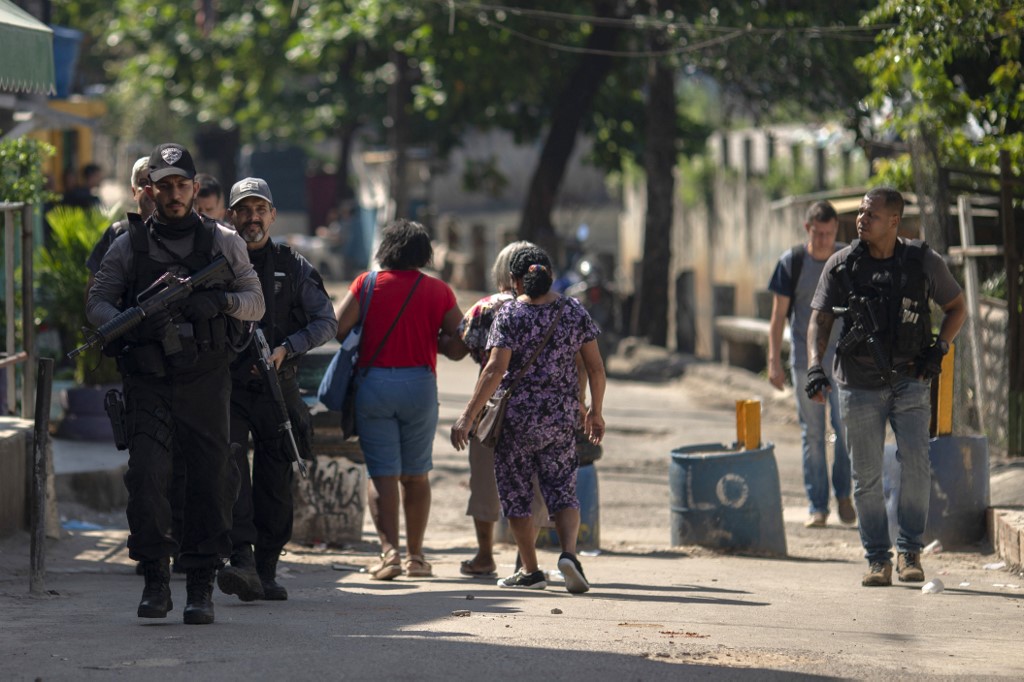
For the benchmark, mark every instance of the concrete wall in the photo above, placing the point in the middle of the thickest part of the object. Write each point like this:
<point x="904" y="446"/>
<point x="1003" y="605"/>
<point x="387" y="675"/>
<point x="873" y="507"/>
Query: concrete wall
<point x="15" y="453"/>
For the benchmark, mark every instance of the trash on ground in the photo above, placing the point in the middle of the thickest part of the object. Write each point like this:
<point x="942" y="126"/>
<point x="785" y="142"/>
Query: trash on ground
<point x="933" y="586"/>
<point x="964" y="584"/>
<point x="348" y="567"/>
<point x="75" y="524"/>
<point x="461" y="612"/>
<point x="995" y="566"/>
<point x="933" y="547"/>
<point x="590" y="552"/>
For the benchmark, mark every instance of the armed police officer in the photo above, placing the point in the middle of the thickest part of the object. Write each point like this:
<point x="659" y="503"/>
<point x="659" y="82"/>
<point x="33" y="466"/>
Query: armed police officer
<point x="175" y="366"/>
<point x="885" y="361"/>
<point x="299" y="317"/>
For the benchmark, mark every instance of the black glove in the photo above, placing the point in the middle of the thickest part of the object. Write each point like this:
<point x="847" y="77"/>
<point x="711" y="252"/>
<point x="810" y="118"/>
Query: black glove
<point x="817" y="382"/>
<point x="204" y="305"/>
<point x="929" y="362"/>
<point x="154" y="326"/>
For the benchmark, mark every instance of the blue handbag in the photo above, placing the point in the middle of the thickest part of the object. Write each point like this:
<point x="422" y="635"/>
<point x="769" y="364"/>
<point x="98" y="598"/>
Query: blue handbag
<point x="336" y="380"/>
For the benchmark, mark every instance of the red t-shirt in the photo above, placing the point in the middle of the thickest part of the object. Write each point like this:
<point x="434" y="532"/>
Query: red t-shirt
<point x="413" y="342"/>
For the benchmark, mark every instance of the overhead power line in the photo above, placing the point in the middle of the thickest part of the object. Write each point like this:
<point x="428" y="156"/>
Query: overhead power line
<point x="498" y="14"/>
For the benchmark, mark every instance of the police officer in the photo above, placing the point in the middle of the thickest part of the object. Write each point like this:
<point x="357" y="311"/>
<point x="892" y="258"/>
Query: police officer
<point x="144" y="206"/>
<point x="885" y="361"/>
<point x="177" y="383"/>
<point x="299" y="317"/>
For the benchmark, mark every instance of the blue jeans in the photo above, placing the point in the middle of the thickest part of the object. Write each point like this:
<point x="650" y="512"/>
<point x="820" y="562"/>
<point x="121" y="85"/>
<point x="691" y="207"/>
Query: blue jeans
<point x="812" y="427"/>
<point x="906" y="406"/>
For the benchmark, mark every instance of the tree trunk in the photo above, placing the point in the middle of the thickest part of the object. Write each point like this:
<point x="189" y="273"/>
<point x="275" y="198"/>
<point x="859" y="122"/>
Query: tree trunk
<point x="399" y="137"/>
<point x="659" y="164"/>
<point x="342" y="187"/>
<point x="572" y="105"/>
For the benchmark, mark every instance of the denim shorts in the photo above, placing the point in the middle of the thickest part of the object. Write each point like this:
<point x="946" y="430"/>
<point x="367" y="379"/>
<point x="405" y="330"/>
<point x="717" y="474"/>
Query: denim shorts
<point x="396" y="418"/>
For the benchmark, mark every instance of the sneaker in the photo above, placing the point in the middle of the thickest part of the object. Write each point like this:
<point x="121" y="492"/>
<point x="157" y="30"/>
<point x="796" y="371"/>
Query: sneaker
<point x="816" y="520"/>
<point x="847" y="514"/>
<point x="524" y="580"/>
<point x="908" y="566"/>
<point x="879" y="574"/>
<point x="575" y="581"/>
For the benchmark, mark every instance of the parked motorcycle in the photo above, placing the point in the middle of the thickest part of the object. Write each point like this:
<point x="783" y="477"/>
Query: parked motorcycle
<point x="598" y="296"/>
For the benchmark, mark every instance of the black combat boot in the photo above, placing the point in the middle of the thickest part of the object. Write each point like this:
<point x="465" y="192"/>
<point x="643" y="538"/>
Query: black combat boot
<point x="156" y="596"/>
<point x="199" y="586"/>
<point x="266" y="567"/>
<point x="240" y="577"/>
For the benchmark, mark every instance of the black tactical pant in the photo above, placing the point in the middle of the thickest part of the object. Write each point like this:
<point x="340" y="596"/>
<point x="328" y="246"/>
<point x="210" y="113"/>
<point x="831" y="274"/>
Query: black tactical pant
<point x="264" y="508"/>
<point x="185" y="413"/>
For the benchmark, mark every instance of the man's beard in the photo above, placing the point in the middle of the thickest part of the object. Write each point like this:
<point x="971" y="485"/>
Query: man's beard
<point x="164" y="218"/>
<point x="246" y="233"/>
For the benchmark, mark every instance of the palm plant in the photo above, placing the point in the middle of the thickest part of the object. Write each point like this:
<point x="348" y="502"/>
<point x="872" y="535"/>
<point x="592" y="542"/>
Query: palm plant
<point x="63" y="277"/>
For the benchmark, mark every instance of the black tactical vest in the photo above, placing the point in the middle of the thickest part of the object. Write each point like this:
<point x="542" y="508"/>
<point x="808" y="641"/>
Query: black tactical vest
<point x="213" y="334"/>
<point x="279" y="277"/>
<point x="902" y="287"/>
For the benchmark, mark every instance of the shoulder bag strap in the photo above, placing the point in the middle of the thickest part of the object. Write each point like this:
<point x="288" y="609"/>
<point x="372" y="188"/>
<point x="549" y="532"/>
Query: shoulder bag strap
<point x="380" y="346"/>
<point x="366" y="293"/>
<point x="540" y="347"/>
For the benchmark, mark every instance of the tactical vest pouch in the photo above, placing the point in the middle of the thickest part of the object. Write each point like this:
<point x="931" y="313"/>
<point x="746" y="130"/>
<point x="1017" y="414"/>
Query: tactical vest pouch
<point x="144" y="360"/>
<point x="188" y="355"/>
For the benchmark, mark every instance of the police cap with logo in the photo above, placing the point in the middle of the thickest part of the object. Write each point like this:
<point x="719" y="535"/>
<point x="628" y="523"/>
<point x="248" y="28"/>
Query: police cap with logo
<point x="170" y="158"/>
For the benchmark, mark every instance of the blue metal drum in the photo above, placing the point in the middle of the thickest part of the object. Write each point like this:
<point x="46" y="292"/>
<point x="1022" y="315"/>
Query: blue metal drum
<point x="726" y="498"/>
<point x="959" y="494"/>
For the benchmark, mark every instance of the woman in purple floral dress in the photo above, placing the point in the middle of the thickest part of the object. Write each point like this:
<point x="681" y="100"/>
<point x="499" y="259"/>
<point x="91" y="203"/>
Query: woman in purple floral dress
<point x="538" y="437"/>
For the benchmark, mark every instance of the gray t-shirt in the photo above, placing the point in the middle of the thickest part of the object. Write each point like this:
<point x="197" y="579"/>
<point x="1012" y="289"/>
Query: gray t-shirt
<point x="800" y="294"/>
<point x="861" y="372"/>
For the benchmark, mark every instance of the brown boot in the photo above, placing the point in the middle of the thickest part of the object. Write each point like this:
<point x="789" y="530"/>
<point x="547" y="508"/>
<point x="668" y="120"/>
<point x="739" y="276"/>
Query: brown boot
<point x="879" y="574"/>
<point x="908" y="566"/>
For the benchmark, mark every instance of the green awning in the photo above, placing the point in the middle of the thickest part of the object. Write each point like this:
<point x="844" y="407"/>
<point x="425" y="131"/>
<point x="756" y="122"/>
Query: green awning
<point x="26" y="51"/>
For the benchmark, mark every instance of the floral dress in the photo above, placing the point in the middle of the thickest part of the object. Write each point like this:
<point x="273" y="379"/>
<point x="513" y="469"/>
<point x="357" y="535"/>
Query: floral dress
<point x="476" y="324"/>
<point x="538" y="435"/>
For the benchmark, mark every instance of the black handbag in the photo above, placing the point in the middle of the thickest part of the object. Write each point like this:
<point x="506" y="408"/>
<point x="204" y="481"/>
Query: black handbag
<point x="488" y="425"/>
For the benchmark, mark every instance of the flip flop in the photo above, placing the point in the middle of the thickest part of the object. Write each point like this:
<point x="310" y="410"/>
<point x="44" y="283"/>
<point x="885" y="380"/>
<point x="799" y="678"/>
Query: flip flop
<point x="390" y="566"/>
<point x="466" y="568"/>
<point x="418" y="567"/>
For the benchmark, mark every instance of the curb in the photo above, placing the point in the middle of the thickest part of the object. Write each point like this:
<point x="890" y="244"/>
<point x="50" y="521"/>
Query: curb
<point x="1006" y="531"/>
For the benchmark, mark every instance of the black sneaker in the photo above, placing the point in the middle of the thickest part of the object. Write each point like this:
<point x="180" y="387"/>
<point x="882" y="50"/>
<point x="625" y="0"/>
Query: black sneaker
<point x="575" y="581"/>
<point x="524" y="580"/>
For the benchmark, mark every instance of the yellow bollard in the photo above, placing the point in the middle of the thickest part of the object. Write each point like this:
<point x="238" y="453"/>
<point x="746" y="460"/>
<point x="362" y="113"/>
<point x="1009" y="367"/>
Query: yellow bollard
<point x="752" y="430"/>
<point x="741" y="422"/>
<point x="748" y="424"/>
<point x="944" y="399"/>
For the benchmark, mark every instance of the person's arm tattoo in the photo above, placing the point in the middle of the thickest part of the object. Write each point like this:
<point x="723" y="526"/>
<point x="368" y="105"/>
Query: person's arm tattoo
<point x="819" y="331"/>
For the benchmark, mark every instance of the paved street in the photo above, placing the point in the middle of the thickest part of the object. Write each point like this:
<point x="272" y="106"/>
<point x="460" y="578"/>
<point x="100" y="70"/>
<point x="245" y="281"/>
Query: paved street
<point x="655" y="612"/>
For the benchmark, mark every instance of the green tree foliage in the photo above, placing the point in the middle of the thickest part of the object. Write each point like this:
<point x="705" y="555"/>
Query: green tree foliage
<point x="21" y="170"/>
<point x="951" y="70"/>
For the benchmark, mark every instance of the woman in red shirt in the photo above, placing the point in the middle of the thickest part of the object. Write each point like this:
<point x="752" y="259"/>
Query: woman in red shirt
<point x="396" y="404"/>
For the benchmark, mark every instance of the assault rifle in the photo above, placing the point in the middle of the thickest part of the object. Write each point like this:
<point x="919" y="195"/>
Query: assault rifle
<point x="269" y="373"/>
<point x="166" y="292"/>
<point x="861" y="318"/>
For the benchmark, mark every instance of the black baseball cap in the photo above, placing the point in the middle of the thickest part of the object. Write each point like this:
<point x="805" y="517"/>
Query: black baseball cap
<point x="250" y="187"/>
<point x="170" y="158"/>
